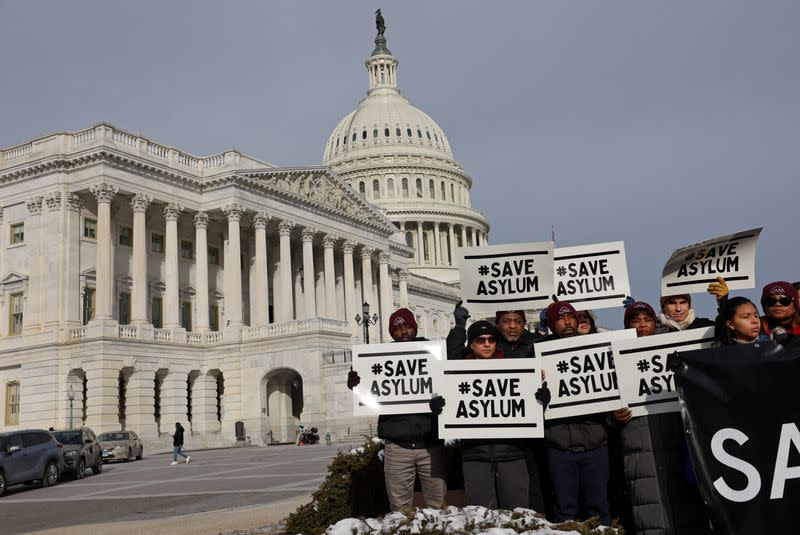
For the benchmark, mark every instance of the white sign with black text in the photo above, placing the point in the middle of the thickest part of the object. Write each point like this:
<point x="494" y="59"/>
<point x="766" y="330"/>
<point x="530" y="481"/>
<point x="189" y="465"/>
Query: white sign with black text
<point x="645" y="384"/>
<point x="592" y="276"/>
<point x="489" y="398"/>
<point x="395" y="378"/>
<point x="503" y="277"/>
<point x="580" y="373"/>
<point x="690" y="269"/>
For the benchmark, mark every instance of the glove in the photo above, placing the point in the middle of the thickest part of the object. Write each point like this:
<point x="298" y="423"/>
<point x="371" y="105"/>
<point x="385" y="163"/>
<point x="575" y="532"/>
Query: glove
<point x="436" y="404"/>
<point x="628" y="301"/>
<point x="543" y="320"/>
<point x="543" y="395"/>
<point x="353" y="379"/>
<point x="461" y="315"/>
<point x="719" y="289"/>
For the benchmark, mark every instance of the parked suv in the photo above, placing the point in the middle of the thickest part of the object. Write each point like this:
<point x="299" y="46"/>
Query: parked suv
<point x="81" y="450"/>
<point x="28" y="455"/>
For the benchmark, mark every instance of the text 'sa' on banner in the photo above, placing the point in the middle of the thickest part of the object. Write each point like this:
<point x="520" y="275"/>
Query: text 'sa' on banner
<point x="646" y="386"/>
<point x="395" y="378"/>
<point x="503" y="277"/>
<point x="580" y="373"/>
<point x="591" y="276"/>
<point x="690" y="269"/>
<point x="489" y="398"/>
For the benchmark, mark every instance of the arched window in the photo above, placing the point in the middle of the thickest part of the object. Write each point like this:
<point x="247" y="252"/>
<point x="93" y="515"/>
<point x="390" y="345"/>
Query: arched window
<point x="344" y="139"/>
<point x="376" y="189"/>
<point x="419" y="133"/>
<point x="408" y="132"/>
<point x="337" y="142"/>
<point x="375" y="132"/>
<point x="428" y="134"/>
<point x="397" y="132"/>
<point x="443" y="191"/>
<point x="419" y="188"/>
<point x="404" y="186"/>
<point x="390" y="188"/>
<point x="410" y="239"/>
<point x="452" y="193"/>
<point x="436" y="137"/>
<point x="362" y="189"/>
<point x="364" y="134"/>
<point x="354" y="137"/>
<point x="386" y="132"/>
<point x="425" y="247"/>
<point x="431" y="189"/>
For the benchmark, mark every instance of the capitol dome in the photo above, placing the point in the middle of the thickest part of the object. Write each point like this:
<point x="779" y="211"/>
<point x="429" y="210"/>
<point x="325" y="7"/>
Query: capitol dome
<point x="399" y="159"/>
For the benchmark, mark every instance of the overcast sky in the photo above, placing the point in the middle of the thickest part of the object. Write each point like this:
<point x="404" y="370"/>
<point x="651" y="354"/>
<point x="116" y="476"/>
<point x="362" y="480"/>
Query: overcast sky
<point x="657" y="123"/>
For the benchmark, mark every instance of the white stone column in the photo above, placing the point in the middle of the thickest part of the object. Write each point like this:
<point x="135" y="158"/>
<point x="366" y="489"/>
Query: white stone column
<point x="330" y="276"/>
<point x="386" y="294"/>
<point x="172" y="307"/>
<point x="309" y="288"/>
<point x="285" y="310"/>
<point x="71" y="289"/>
<point x="140" y="402"/>
<point x="420" y="244"/>
<point x="366" y="283"/>
<point x="33" y="239"/>
<point x="139" y="204"/>
<point x="173" y="399"/>
<point x="261" y="292"/>
<point x="478" y="240"/>
<point x="472" y="236"/>
<point x="437" y="244"/>
<point x="233" y="269"/>
<point x="204" y="405"/>
<point x="104" y="193"/>
<point x="201" y="321"/>
<point x="463" y="236"/>
<point x="403" y="287"/>
<point x="53" y="242"/>
<point x="350" y="305"/>
<point x="452" y="237"/>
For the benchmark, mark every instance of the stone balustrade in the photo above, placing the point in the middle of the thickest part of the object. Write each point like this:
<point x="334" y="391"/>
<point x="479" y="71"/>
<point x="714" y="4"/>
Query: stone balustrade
<point x="128" y="331"/>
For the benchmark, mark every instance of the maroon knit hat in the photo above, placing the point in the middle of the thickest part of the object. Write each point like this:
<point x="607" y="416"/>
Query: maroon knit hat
<point x="500" y="313"/>
<point x="556" y="310"/>
<point x="402" y="316"/>
<point x="780" y="288"/>
<point x="633" y="310"/>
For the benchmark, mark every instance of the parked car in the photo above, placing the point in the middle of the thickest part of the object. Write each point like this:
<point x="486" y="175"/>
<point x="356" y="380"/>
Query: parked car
<point x="80" y="450"/>
<point x="121" y="446"/>
<point x="29" y="455"/>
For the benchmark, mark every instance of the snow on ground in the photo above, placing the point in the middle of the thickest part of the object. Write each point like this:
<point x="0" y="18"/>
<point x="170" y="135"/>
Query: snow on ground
<point x="471" y="519"/>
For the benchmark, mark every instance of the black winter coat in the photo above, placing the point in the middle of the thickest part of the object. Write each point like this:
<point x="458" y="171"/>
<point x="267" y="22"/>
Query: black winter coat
<point x="522" y="348"/>
<point x="656" y="473"/>
<point x="177" y="438"/>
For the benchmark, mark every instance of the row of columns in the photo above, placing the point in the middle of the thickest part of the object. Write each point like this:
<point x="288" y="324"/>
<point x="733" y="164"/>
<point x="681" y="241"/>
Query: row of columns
<point x="476" y="237"/>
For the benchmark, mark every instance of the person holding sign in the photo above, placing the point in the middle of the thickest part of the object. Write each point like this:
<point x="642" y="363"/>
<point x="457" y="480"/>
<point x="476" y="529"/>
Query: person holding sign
<point x="411" y="445"/>
<point x="577" y="450"/>
<point x="677" y="314"/>
<point x="495" y="471"/>
<point x="781" y="309"/>
<point x="514" y="340"/>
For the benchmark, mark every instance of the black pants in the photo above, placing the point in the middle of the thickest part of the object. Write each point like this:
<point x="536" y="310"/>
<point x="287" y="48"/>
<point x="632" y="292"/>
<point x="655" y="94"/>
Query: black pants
<point x="574" y="474"/>
<point x="496" y="485"/>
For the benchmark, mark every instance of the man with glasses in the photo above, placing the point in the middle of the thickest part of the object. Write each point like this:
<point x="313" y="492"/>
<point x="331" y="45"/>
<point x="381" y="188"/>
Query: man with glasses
<point x="781" y="311"/>
<point x="514" y="340"/>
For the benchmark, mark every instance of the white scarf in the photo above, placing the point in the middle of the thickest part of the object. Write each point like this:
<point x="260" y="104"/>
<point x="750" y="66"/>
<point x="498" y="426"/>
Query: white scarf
<point x="677" y="325"/>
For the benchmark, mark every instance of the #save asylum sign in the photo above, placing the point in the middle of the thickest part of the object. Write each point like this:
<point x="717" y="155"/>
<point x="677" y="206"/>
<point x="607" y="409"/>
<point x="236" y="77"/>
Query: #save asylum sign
<point x="498" y="277"/>
<point x="395" y="378"/>
<point x="591" y="276"/>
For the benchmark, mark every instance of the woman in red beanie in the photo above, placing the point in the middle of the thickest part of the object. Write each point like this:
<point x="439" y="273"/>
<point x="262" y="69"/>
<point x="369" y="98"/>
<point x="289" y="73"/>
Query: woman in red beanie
<point x="781" y="308"/>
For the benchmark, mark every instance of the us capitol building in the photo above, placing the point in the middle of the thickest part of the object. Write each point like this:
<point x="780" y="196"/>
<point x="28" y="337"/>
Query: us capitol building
<point x="153" y="286"/>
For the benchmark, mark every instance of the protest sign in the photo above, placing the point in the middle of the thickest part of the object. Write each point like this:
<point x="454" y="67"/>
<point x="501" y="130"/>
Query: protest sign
<point x="395" y="378"/>
<point x="489" y="398"/>
<point x="596" y="274"/>
<point x="740" y="409"/>
<point x="646" y="386"/>
<point x="580" y="373"/>
<point x="690" y="269"/>
<point x="501" y="277"/>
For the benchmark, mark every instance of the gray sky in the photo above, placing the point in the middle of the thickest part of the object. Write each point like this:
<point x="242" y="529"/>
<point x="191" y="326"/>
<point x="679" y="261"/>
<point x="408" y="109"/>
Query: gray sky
<point x="657" y="123"/>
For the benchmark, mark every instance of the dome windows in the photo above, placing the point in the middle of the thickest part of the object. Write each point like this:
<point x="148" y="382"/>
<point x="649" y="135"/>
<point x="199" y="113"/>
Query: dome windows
<point x="404" y="187"/>
<point x="390" y="188"/>
<point x="364" y="134"/>
<point x="398" y="132"/>
<point x="354" y="137"/>
<point x="386" y="132"/>
<point x="374" y="132"/>
<point x="408" y="132"/>
<point x="419" y="133"/>
<point x="376" y="189"/>
<point x="428" y="134"/>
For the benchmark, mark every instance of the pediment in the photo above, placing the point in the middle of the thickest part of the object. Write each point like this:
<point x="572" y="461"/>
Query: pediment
<point x="321" y="187"/>
<point x="91" y="272"/>
<point x="13" y="276"/>
<point x="158" y="285"/>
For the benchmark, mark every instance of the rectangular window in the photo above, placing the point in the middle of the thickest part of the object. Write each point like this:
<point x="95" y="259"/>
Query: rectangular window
<point x="213" y="256"/>
<point x="213" y="317"/>
<point x="155" y="313"/>
<point x="186" y="315"/>
<point x="187" y="249"/>
<point x="90" y="229"/>
<point x="18" y="233"/>
<point x="88" y="305"/>
<point x="124" y="316"/>
<point x="12" y="404"/>
<point x="126" y="236"/>
<point x="16" y="314"/>
<point x="157" y="243"/>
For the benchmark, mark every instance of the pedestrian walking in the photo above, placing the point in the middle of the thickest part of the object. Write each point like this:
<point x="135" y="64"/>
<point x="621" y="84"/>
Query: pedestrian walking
<point x="177" y="445"/>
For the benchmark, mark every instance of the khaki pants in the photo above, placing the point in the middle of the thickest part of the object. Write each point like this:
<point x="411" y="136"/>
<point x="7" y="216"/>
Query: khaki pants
<point x="401" y="465"/>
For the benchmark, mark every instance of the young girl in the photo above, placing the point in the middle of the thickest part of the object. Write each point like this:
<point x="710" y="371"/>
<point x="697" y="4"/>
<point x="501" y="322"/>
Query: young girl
<point x="738" y="322"/>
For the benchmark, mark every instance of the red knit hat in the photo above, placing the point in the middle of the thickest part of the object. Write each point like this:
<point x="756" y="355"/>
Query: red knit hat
<point x="558" y="309"/>
<point x="402" y="316"/>
<point x="780" y="288"/>
<point x="500" y="313"/>
<point x="634" y="309"/>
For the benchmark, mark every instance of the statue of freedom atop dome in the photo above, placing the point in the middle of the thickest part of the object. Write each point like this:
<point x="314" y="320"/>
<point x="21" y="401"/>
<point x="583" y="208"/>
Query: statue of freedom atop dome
<point x="379" y="22"/>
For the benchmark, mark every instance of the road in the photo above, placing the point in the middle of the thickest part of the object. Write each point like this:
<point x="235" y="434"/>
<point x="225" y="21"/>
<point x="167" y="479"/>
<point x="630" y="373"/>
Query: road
<point x="152" y="489"/>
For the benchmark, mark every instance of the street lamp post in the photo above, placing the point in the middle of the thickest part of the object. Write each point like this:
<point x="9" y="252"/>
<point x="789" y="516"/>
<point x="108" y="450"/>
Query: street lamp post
<point x="366" y="320"/>
<point x="71" y="397"/>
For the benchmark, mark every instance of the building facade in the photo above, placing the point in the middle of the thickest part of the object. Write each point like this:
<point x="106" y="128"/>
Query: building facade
<point x="142" y="285"/>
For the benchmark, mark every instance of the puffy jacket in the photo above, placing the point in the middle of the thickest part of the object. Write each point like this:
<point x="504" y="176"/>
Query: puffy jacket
<point x="522" y="348"/>
<point x="655" y="463"/>
<point x="177" y="438"/>
<point x="416" y="430"/>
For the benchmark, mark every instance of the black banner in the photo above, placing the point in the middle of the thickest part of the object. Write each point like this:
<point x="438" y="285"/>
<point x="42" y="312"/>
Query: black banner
<point x="741" y="411"/>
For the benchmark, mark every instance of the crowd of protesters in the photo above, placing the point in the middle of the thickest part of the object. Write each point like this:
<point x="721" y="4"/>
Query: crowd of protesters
<point x="596" y="465"/>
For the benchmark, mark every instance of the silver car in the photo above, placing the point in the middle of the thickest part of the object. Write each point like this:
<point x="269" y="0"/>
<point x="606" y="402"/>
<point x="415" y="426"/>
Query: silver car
<point x="121" y="446"/>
